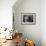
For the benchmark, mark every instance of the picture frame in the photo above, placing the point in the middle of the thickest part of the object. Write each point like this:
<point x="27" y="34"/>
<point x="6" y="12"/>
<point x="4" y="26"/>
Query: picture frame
<point x="28" y="18"/>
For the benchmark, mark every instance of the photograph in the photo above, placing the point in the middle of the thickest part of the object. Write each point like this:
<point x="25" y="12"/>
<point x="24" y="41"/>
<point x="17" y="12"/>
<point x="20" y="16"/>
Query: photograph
<point x="28" y="18"/>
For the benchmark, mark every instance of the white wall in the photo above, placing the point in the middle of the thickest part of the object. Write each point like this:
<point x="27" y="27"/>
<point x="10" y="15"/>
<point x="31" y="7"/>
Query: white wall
<point x="43" y="22"/>
<point x="36" y="32"/>
<point x="30" y="31"/>
<point x="6" y="13"/>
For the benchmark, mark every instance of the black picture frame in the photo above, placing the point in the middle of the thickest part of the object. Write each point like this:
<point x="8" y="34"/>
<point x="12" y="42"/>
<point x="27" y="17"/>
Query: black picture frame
<point x="28" y="18"/>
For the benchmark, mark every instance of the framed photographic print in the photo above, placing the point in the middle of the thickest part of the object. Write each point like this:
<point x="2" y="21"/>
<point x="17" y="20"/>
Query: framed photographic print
<point x="28" y="18"/>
